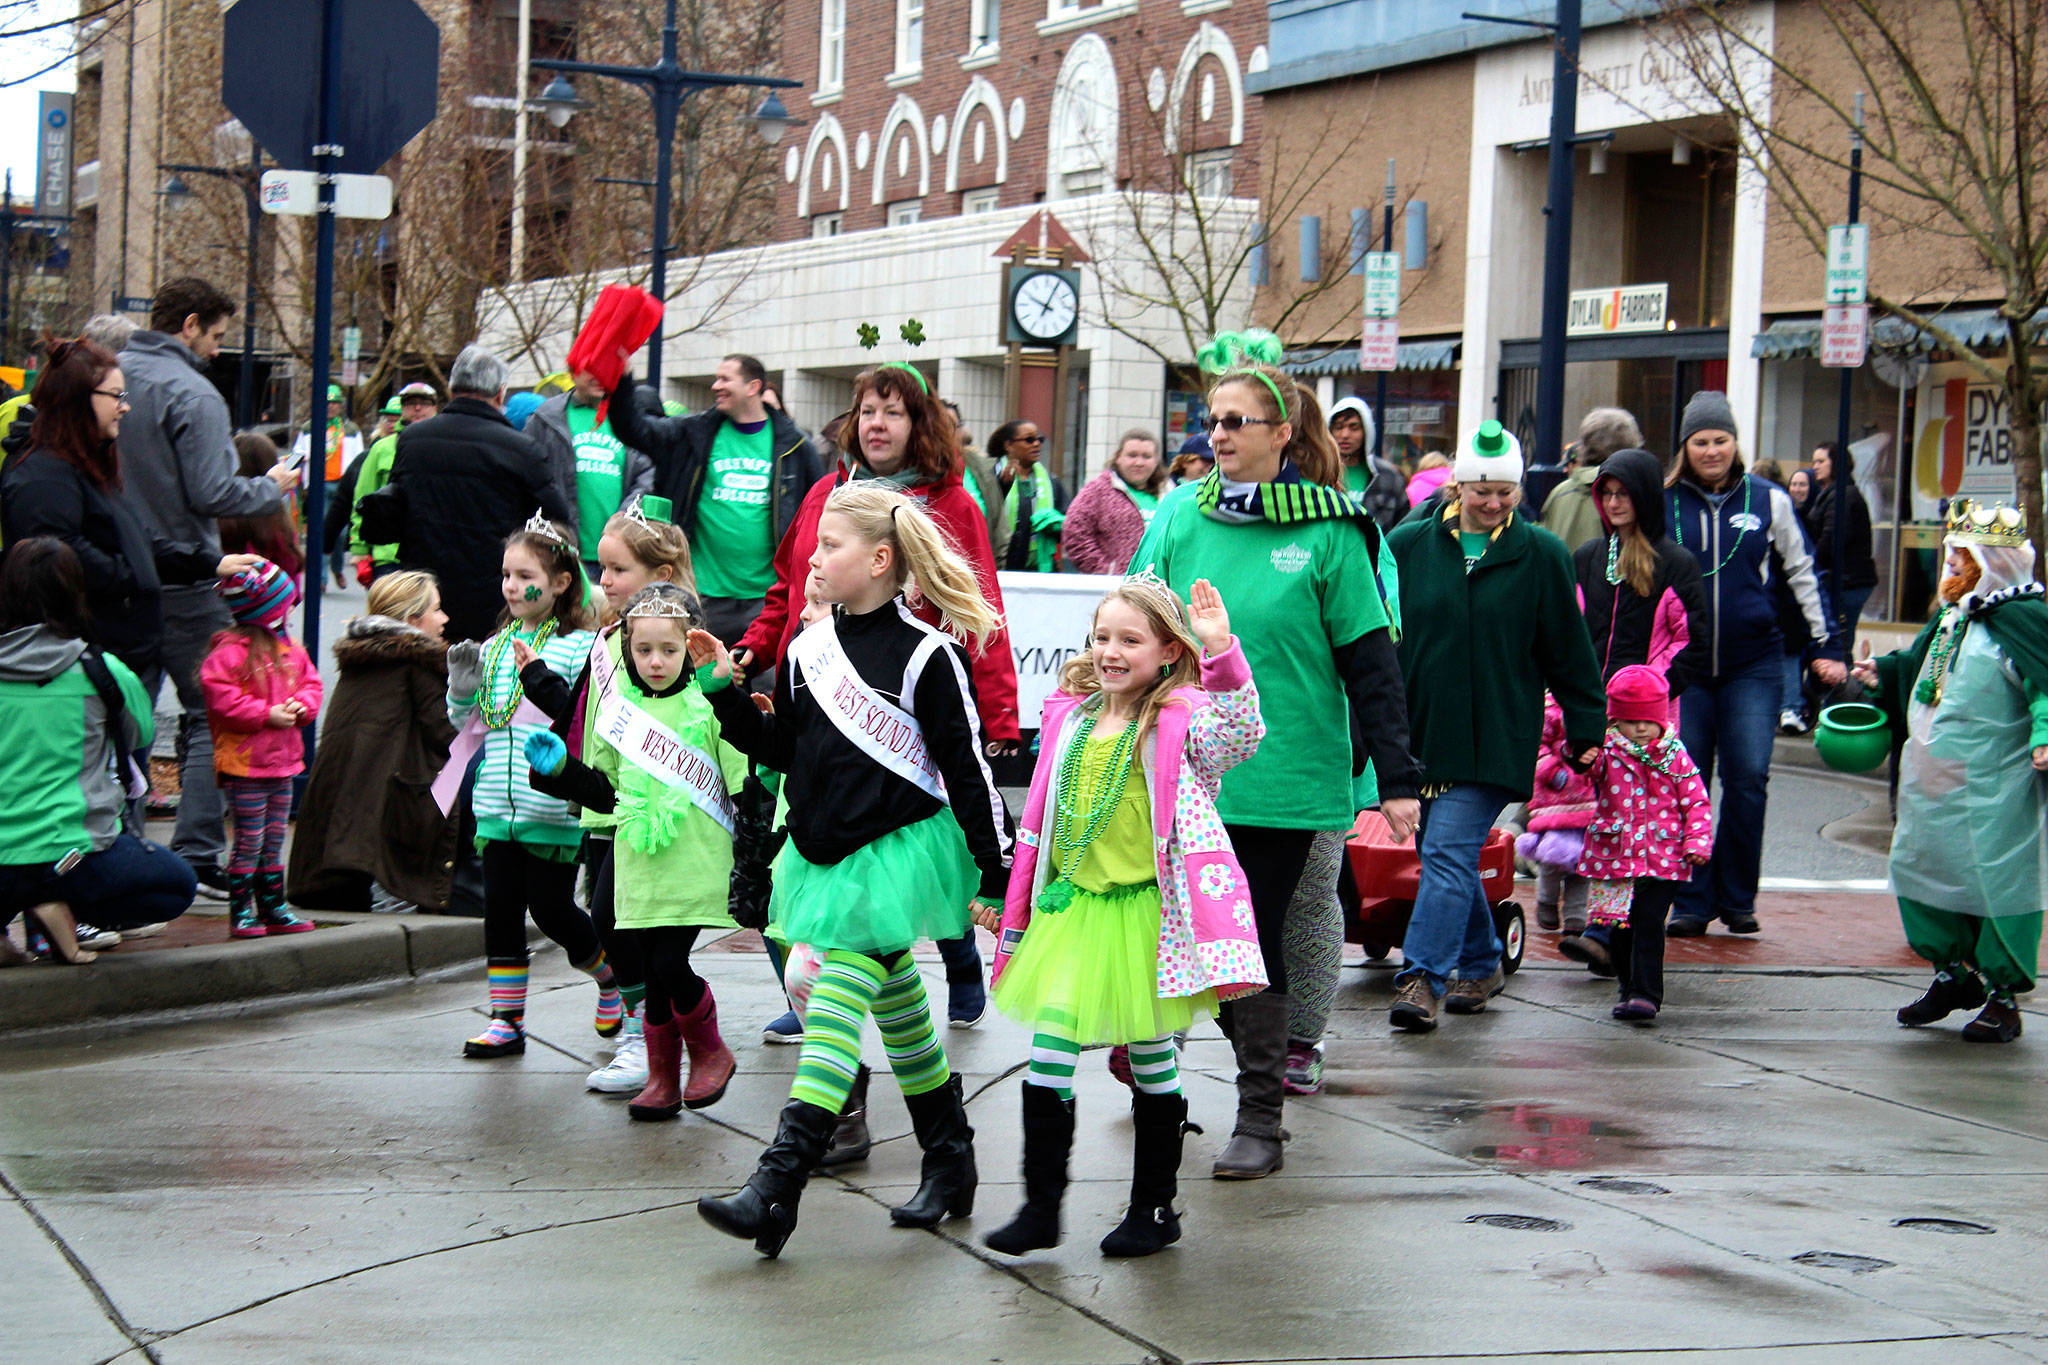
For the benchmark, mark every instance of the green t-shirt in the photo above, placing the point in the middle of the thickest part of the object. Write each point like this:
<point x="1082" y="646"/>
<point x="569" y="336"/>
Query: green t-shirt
<point x="734" y="549"/>
<point x="1146" y="500"/>
<point x="600" y="475"/>
<point x="1473" y="545"/>
<point x="1357" y="478"/>
<point x="1293" y="592"/>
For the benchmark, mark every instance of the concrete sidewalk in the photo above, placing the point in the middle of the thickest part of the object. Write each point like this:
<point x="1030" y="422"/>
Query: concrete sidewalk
<point x="1775" y="1171"/>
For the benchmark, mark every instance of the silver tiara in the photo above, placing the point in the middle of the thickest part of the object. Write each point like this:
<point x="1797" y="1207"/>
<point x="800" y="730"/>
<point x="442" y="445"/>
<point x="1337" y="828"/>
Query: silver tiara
<point x="539" y="525"/>
<point x="1147" y="581"/>
<point x="662" y="606"/>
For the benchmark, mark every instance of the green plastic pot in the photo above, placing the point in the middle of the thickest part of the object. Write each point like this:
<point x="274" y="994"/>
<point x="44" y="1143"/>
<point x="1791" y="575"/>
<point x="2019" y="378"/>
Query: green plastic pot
<point x="1852" y="737"/>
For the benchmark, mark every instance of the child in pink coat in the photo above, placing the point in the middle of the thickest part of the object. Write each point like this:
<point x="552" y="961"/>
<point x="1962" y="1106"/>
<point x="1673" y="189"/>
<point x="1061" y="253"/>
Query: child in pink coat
<point x="1653" y="827"/>
<point x="261" y="688"/>
<point x="1561" y="805"/>
<point x="1128" y="912"/>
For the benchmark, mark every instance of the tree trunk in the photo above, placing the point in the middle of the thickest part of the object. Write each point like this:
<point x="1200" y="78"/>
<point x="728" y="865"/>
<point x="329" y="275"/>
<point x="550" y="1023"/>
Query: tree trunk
<point x="2023" y="386"/>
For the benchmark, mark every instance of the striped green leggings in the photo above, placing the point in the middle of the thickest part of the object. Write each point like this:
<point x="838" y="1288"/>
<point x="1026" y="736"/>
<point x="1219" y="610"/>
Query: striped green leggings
<point x="1054" y="1052"/>
<point x="849" y="987"/>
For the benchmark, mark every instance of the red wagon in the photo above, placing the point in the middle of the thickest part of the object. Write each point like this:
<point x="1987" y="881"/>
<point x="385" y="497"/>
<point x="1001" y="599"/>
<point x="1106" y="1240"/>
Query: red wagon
<point x="1388" y="874"/>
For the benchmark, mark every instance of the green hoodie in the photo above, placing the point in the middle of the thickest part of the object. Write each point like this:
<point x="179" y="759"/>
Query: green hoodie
<point x="1479" y="648"/>
<point x="373" y="475"/>
<point x="60" y="768"/>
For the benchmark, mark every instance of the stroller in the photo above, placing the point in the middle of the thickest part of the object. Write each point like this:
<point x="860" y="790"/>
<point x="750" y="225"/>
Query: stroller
<point x="1389" y="873"/>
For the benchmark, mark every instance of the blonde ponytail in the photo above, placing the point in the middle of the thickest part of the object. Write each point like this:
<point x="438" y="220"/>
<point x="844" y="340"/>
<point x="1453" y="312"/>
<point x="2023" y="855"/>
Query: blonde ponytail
<point x="937" y="572"/>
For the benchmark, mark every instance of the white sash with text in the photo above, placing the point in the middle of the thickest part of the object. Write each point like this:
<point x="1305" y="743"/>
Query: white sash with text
<point x="876" y="726"/>
<point x="666" y="756"/>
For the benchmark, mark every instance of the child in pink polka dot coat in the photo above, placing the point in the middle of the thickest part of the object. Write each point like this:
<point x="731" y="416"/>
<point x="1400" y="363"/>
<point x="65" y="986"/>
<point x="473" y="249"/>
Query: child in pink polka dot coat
<point x="1653" y="827"/>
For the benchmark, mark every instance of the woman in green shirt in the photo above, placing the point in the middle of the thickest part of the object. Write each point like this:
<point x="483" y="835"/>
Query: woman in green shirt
<point x="1491" y="605"/>
<point x="1268" y="526"/>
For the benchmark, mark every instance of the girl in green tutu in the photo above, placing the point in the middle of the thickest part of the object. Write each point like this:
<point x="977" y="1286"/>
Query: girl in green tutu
<point x="1128" y="913"/>
<point x="875" y="725"/>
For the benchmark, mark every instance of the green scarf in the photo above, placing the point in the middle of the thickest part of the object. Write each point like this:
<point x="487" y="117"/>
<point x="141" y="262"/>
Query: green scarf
<point x="1290" y="500"/>
<point x="2018" y="626"/>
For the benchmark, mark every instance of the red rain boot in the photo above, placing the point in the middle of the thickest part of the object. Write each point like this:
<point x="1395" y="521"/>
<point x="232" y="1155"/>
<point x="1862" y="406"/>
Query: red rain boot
<point x="711" y="1061"/>
<point x="663" y="1097"/>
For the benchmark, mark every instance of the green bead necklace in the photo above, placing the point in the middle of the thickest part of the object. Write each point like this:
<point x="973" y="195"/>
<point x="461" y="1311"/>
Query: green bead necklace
<point x="1073" y="830"/>
<point x="497" y="712"/>
<point x="1947" y="641"/>
<point x="1678" y="531"/>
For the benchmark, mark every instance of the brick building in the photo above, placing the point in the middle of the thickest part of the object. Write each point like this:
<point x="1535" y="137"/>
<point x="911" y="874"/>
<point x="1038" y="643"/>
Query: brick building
<point x="934" y="130"/>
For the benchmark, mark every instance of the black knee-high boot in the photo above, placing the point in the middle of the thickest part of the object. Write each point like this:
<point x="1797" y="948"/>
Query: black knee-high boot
<point x="1048" y="1139"/>
<point x="947" y="1176"/>
<point x="1151" y="1224"/>
<point x="765" y="1207"/>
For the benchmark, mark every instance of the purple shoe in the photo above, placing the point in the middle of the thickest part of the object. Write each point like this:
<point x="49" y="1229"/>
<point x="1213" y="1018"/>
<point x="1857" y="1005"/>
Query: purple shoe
<point x="1636" y="1010"/>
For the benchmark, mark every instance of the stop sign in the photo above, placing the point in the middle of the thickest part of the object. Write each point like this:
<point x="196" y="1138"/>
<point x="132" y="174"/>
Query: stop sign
<point x="270" y="78"/>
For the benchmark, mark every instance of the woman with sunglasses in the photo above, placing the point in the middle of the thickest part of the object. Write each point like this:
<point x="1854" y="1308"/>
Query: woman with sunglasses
<point x="66" y="483"/>
<point x="1269" y="525"/>
<point x="1492" y="618"/>
<point x="1035" y="499"/>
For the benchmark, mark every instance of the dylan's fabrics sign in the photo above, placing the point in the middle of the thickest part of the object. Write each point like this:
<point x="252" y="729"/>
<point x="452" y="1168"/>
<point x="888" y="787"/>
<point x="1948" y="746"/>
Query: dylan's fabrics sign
<point x="1964" y="444"/>
<point x="1049" y="616"/>
<point x="1628" y="308"/>
<point x="53" y="153"/>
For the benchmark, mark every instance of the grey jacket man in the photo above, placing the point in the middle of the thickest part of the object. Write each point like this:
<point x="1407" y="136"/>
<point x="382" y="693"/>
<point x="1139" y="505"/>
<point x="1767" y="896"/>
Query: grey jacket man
<point x="177" y="447"/>
<point x="548" y="429"/>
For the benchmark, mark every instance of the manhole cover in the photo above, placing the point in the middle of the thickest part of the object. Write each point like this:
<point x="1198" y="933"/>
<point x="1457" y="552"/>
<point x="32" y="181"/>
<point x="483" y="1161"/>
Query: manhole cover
<point x="1954" y="1226"/>
<point x="1842" y="1260"/>
<point x="1616" y="1185"/>
<point x="1519" y="1222"/>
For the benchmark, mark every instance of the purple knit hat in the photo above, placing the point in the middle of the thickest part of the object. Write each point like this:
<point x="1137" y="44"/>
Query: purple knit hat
<point x="260" y="595"/>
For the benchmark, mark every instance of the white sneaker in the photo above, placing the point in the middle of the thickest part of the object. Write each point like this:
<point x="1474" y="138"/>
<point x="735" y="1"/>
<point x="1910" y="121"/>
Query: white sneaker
<point x="626" y="1073"/>
<point x="96" y="939"/>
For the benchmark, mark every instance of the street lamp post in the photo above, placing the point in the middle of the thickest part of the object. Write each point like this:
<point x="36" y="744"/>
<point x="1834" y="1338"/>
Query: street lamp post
<point x="668" y="85"/>
<point x="250" y="179"/>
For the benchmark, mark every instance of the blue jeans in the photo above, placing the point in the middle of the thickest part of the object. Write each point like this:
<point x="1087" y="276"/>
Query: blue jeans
<point x="1794" y="697"/>
<point x="1851" y="601"/>
<point x="1731" y="720"/>
<point x="1451" y="932"/>
<point x="130" y="882"/>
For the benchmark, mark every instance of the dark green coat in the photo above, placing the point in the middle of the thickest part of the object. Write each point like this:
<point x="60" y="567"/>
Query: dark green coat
<point x="1478" y="650"/>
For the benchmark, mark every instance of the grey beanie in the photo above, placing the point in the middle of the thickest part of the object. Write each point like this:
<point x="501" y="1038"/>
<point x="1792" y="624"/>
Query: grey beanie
<point x="1707" y="410"/>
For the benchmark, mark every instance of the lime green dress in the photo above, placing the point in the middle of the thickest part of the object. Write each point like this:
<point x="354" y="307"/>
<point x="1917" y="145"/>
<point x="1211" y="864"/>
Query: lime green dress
<point x="1097" y="961"/>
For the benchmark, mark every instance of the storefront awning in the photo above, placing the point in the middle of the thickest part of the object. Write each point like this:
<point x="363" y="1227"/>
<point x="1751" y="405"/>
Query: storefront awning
<point x="1980" y="328"/>
<point x="1313" y="362"/>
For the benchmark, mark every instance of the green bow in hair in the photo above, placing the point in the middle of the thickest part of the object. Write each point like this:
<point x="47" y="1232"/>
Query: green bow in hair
<point x="1235" y="350"/>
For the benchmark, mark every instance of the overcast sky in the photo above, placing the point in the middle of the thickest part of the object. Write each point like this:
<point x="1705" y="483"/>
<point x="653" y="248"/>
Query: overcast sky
<point x="20" y="58"/>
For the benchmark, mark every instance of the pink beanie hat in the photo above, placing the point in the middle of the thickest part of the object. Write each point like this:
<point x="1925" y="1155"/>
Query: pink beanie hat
<point x="1639" y="692"/>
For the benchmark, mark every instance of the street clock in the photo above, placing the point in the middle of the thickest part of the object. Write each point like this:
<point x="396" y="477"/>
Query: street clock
<point x="1045" y="307"/>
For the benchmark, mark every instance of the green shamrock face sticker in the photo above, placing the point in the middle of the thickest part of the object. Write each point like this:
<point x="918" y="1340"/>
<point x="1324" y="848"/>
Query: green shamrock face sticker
<point x="532" y="593"/>
<point x="870" y="336"/>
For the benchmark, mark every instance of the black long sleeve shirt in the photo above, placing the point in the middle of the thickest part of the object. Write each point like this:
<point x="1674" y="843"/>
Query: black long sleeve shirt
<point x="840" y="799"/>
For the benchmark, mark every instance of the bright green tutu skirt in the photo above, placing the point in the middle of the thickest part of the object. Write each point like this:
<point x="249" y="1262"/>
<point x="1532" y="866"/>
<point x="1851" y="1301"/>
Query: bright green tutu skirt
<point x="911" y="884"/>
<point x="1097" y="962"/>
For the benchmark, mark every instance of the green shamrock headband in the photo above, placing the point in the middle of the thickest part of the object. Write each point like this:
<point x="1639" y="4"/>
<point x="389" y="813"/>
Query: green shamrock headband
<point x="912" y="331"/>
<point x="1232" y="353"/>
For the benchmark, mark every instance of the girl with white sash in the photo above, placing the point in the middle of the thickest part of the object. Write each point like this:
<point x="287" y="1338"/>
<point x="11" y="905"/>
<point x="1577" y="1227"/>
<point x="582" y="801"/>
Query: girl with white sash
<point x="875" y="725"/>
<point x="654" y="765"/>
<point x="639" y="546"/>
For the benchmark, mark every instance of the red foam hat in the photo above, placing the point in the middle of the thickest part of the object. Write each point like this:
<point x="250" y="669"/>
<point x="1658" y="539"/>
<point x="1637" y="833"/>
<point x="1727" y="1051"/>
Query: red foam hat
<point x="619" y="324"/>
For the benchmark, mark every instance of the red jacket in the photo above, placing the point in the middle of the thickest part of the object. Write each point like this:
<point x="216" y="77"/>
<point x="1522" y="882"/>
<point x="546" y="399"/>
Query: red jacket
<point x="965" y="528"/>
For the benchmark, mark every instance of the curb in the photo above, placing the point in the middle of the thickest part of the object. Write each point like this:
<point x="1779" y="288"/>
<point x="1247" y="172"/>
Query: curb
<point x="347" y="950"/>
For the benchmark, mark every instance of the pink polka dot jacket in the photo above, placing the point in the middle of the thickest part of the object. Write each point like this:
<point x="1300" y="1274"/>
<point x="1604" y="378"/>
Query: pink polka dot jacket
<point x="1653" y="811"/>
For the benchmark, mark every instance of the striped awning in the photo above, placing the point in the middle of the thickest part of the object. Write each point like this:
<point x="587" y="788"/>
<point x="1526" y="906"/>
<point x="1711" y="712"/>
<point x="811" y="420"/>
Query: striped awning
<point x="1342" y="358"/>
<point x="1980" y="328"/>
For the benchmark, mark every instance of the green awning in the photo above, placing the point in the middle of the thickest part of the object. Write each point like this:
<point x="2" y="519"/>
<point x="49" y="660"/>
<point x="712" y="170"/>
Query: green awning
<point x="1313" y="362"/>
<point x="1981" y="328"/>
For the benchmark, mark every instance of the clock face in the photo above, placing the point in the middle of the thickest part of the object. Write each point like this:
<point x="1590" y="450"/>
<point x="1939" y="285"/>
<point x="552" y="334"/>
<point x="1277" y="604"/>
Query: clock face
<point x="1045" y="306"/>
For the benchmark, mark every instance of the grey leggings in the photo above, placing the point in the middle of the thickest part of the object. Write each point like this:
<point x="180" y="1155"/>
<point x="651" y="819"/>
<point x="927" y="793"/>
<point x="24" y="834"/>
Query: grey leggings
<point x="1566" y="891"/>
<point x="1312" y="937"/>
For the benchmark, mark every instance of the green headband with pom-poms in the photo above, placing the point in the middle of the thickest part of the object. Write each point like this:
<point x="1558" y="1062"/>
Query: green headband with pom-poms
<point x="1232" y="352"/>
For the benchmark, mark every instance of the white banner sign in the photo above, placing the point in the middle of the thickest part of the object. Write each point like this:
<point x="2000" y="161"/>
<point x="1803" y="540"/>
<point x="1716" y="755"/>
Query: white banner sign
<point x="1629" y="308"/>
<point x="1049" y="616"/>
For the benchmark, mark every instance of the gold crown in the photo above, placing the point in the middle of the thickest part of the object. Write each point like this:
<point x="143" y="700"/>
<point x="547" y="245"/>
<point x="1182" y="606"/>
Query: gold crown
<point x="1974" y="523"/>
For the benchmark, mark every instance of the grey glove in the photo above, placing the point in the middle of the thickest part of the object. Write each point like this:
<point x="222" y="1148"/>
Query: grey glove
<point x="465" y="668"/>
